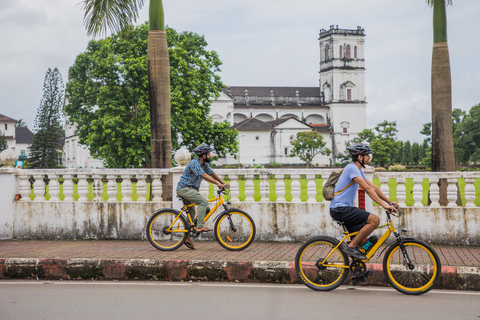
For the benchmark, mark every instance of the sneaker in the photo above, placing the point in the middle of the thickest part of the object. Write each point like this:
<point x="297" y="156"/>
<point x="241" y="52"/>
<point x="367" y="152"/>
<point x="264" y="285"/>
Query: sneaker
<point x="355" y="253"/>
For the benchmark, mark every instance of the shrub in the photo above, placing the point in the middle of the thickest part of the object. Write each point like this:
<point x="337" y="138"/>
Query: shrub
<point x="274" y="164"/>
<point x="397" y="167"/>
<point x="380" y="169"/>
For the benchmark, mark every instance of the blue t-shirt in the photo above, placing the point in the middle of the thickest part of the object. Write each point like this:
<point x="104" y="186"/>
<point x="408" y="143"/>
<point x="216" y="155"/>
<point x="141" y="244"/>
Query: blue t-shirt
<point x="192" y="175"/>
<point x="347" y="197"/>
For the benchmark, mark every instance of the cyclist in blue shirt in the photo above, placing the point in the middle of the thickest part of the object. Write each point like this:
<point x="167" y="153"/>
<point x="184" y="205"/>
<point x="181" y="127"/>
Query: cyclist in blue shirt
<point x="341" y="207"/>
<point x="189" y="184"/>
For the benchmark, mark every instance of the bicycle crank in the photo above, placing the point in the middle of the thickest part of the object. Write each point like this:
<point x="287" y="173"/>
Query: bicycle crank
<point x="192" y="232"/>
<point x="358" y="268"/>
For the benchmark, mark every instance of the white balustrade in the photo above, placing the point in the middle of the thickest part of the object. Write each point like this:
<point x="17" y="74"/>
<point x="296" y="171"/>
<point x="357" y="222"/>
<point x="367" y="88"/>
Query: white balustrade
<point x="384" y="186"/>
<point x="280" y="187"/>
<point x="68" y="188"/>
<point x="234" y="187"/>
<point x="401" y="192"/>
<point x="311" y="188"/>
<point x="249" y="187"/>
<point x="417" y="191"/>
<point x="53" y="176"/>
<point x="82" y="188"/>
<point x="141" y="188"/>
<point x="295" y="187"/>
<point x="54" y="187"/>
<point x="97" y="187"/>
<point x="25" y="187"/>
<point x="264" y="187"/>
<point x="434" y="191"/>
<point x="452" y="192"/>
<point x="157" y="188"/>
<point x="39" y="187"/>
<point x="469" y="190"/>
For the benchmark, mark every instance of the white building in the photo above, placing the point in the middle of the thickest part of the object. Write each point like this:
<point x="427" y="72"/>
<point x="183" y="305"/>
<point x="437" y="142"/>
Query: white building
<point x="336" y="109"/>
<point x="19" y="139"/>
<point x="76" y="155"/>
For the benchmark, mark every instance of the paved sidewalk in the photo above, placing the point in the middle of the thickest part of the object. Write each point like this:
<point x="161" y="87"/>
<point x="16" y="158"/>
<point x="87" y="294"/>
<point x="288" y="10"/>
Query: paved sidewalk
<point x="262" y="262"/>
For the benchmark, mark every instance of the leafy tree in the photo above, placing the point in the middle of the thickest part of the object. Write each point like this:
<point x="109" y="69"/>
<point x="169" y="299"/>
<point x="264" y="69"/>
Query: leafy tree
<point x="443" y="158"/>
<point x="467" y="135"/>
<point x="416" y="153"/>
<point x="118" y="16"/>
<point x="21" y="123"/>
<point x="407" y="153"/>
<point x="307" y="145"/>
<point x="45" y="149"/>
<point x="383" y="140"/>
<point x="3" y="142"/>
<point x="108" y="97"/>
<point x="397" y="155"/>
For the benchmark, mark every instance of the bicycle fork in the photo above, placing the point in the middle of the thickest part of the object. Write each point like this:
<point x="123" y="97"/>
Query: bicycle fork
<point x="408" y="262"/>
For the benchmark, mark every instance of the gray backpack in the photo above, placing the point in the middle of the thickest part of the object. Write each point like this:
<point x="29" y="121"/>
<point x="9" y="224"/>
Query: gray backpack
<point x="329" y="187"/>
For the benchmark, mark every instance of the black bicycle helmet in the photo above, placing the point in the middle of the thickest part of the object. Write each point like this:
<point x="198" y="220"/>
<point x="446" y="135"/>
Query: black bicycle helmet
<point x="203" y="149"/>
<point x="359" y="148"/>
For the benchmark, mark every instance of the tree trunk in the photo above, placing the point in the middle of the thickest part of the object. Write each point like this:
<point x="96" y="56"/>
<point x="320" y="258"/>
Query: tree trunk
<point x="443" y="157"/>
<point x="159" y="91"/>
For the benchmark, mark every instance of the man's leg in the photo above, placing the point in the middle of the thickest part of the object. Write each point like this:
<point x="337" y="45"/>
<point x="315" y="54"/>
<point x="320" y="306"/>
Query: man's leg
<point x="370" y="225"/>
<point x="195" y="197"/>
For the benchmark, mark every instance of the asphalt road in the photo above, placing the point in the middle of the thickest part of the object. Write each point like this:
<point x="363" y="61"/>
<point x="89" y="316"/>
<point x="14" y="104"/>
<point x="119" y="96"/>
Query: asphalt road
<point x="176" y="300"/>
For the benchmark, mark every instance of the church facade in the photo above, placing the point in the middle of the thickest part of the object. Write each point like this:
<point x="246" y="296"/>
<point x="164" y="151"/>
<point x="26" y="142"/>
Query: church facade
<point x="268" y="118"/>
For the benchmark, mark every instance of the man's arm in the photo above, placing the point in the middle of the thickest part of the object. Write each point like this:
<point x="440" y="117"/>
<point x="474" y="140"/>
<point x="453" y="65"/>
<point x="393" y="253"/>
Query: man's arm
<point x="216" y="181"/>
<point x="373" y="191"/>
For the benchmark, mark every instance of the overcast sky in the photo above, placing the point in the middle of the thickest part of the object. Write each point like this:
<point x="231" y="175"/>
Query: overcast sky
<point x="263" y="43"/>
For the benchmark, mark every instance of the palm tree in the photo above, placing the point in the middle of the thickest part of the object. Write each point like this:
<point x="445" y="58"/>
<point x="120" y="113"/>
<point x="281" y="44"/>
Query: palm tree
<point x="117" y="15"/>
<point x="443" y="157"/>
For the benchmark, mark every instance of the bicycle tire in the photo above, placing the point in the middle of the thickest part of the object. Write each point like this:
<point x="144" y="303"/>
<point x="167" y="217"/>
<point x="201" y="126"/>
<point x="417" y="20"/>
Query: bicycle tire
<point x="321" y="278"/>
<point x="162" y="239"/>
<point x="235" y="230"/>
<point x="422" y="278"/>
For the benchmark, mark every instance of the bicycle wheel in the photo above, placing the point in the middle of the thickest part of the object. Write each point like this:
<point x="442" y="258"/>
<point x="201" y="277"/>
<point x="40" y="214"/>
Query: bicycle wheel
<point x="158" y="232"/>
<point x="319" y="273"/>
<point x="235" y="230"/>
<point x="416" y="278"/>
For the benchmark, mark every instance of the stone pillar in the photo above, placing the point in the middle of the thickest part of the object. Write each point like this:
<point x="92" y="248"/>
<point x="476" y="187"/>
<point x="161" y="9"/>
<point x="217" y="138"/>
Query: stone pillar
<point x="8" y="188"/>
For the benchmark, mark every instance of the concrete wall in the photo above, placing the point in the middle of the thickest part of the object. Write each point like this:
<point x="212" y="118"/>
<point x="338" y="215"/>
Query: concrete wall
<point x="274" y="221"/>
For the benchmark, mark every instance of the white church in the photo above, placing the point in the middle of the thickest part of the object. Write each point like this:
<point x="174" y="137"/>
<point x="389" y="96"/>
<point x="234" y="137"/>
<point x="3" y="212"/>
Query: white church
<point x="268" y="118"/>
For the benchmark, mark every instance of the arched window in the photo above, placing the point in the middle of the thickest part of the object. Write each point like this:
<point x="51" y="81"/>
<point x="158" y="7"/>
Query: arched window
<point x="326" y="52"/>
<point x="355" y="52"/>
<point x="341" y="52"/>
<point x="347" y="51"/>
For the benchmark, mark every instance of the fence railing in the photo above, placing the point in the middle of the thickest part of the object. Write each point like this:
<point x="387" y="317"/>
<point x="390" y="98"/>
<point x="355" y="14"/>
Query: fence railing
<point x="415" y="189"/>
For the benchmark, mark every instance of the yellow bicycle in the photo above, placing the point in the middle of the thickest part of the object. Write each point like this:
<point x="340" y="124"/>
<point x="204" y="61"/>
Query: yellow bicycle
<point x="411" y="266"/>
<point x="234" y="229"/>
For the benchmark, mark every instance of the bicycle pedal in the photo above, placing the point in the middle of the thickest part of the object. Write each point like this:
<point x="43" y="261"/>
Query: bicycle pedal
<point x="362" y="278"/>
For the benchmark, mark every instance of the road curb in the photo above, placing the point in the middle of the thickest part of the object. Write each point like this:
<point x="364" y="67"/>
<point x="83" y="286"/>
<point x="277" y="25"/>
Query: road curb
<point x="452" y="277"/>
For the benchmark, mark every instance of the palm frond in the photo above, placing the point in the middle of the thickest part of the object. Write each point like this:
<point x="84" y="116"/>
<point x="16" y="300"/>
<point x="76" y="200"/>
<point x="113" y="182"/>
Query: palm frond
<point x="430" y="2"/>
<point x="115" y="15"/>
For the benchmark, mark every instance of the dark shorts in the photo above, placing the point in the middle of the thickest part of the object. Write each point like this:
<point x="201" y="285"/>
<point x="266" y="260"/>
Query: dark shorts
<point x="353" y="217"/>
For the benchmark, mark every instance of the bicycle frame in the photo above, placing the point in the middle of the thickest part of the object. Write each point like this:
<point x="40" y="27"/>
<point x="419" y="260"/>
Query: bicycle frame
<point x="391" y="229"/>
<point x="186" y="206"/>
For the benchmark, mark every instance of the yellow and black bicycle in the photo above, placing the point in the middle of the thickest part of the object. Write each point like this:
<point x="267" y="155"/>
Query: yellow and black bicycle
<point x="410" y="266"/>
<point x="234" y="229"/>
